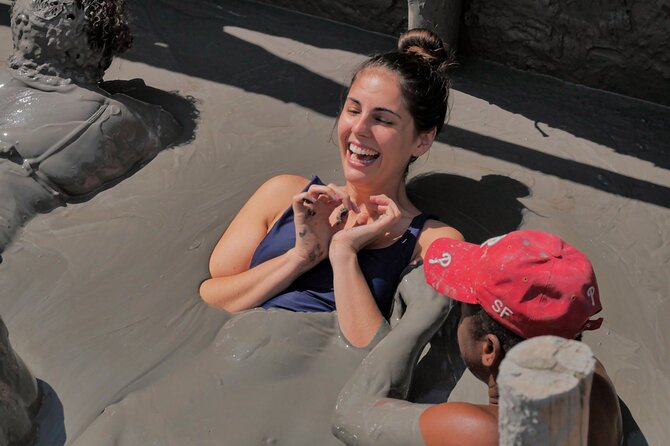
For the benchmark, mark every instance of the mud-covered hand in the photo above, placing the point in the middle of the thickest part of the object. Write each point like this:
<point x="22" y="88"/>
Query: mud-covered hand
<point x="313" y="229"/>
<point x="367" y="229"/>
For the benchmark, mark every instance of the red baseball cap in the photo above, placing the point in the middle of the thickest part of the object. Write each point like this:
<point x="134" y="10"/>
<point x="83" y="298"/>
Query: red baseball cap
<point x="531" y="282"/>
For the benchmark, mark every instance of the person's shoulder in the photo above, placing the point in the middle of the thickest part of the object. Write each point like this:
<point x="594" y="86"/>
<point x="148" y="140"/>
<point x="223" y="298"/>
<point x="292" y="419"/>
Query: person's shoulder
<point x="283" y="185"/>
<point x="273" y="197"/>
<point x="435" y="229"/>
<point x="452" y="423"/>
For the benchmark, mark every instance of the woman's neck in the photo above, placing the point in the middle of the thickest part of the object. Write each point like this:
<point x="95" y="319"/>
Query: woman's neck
<point x="397" y="193"/>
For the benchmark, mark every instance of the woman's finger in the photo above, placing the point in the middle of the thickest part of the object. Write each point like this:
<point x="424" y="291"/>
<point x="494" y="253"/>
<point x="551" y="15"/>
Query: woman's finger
<point x="361" y="219"/>
<point x="383" y="200"/>
<point x="303" y="199"/>
<point x="315" y="196"/>
<point x="303" y="203"/>
<point x="345" y="198"/>
<point x="316" y="191"/>
<point x="386" y="206"/>
<point x="380" y="199"/>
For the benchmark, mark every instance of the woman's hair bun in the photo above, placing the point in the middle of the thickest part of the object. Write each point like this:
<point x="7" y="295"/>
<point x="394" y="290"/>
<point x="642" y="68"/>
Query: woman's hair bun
<point x="427" y="46"/>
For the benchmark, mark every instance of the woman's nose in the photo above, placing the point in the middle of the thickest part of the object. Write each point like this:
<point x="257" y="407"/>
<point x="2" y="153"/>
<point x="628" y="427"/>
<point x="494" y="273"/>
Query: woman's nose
<point x="361" y="125"/>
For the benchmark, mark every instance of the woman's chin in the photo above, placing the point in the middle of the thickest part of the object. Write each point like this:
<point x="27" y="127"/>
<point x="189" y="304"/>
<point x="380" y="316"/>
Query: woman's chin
<point x="354" y="173"/>
<point x="362" y="178"/>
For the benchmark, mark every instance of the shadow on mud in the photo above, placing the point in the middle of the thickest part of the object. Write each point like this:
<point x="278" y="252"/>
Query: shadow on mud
<point x="629" y="126"/>
<point x="632" y="435"/>
<point x="592" y="176"/>
<point x="479" y="209"/>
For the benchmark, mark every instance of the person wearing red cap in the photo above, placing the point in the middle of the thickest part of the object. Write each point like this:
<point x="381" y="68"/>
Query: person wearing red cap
<point x="510" y="288"/>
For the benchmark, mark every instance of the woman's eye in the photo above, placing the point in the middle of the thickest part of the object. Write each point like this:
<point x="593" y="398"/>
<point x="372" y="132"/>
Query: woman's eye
<point x="383" y="120"/>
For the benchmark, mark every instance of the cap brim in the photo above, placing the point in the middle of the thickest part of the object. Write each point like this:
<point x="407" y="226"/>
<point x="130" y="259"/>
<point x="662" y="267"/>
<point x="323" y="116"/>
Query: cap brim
<point x="450" y="267"/>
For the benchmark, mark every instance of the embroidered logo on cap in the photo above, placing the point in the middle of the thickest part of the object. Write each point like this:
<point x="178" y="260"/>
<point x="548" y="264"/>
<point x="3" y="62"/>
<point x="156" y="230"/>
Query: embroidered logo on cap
<point x="591" y="292"/>
<point x="500" y="308"/>
<point x="444" y="261"/>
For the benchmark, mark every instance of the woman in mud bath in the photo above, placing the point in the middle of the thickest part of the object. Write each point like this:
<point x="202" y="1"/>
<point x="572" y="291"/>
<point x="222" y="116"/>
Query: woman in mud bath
<point x="301" y="245"/>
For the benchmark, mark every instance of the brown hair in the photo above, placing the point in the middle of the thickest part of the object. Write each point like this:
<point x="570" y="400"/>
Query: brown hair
<point x="421" y="62"/>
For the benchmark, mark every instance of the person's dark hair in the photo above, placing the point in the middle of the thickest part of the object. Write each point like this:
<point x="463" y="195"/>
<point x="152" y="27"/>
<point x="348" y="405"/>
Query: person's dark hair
<point x="107" y="27"/>
<point x="483" y="324"/>
<point x="421" y="62"/>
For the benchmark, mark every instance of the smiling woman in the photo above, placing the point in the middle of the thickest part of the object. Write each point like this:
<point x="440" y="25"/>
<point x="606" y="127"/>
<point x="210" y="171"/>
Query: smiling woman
<point x="301" y="245"/>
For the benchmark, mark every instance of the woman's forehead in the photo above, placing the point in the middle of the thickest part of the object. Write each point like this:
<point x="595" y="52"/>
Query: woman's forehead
<point x="377" y="86"/>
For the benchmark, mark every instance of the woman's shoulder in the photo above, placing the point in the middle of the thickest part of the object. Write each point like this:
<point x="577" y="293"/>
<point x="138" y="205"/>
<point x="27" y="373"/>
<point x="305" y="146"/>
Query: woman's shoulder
<point x="284" y="184"/>
<point x="274" y="196"/>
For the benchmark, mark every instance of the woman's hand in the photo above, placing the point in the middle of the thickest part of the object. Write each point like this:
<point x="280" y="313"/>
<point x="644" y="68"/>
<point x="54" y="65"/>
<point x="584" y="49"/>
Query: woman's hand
<point x="313" y="227"/>
<point x="366" y="229"/>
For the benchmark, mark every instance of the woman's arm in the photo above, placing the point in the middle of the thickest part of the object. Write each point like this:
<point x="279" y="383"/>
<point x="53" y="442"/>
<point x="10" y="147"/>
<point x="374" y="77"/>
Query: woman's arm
<point x="357" y="312"/>
<point x="233" y="285"/>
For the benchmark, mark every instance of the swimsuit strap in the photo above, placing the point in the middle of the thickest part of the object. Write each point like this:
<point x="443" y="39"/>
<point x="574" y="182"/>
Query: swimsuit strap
<point x="30" y="166"/>
<point x="418" y="222"/>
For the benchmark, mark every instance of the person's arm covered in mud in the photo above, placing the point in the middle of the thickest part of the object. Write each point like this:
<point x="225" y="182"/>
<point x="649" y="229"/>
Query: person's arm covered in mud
<point x="370" y="409"/>
<point x="235" y="286"/>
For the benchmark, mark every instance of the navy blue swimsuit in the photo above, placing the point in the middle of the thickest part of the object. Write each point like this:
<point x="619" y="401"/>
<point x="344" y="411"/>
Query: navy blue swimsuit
<point x="313" y="291"/>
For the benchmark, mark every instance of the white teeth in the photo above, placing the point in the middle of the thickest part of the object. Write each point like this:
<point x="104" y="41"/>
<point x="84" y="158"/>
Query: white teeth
<point x="361" y="151"/>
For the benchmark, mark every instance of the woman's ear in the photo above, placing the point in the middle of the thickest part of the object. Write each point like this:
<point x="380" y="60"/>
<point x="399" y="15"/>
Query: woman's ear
<point x="425" y="141"/>
<point x="492" y="352"/>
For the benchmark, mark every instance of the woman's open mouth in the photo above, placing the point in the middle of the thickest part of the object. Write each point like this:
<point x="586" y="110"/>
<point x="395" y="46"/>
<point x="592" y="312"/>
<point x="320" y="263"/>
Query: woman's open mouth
<point x="361" y="156"/>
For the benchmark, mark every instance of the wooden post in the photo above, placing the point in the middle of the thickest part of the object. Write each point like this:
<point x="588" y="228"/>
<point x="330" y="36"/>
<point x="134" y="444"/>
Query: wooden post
<point x="544" y="385"/>
<point x="441" y="16"/>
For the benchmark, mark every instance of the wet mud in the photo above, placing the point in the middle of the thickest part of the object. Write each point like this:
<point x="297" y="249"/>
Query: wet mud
<point x="100" y="297"/>
<point x="63" y="135"/>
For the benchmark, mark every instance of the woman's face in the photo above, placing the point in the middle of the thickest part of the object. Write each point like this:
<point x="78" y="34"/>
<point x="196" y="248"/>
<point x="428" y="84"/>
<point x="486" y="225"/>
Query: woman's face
<point x="376" y="132"/>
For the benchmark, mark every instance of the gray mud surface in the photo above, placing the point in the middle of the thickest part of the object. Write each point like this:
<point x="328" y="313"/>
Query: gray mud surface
<point x="101" y="297"/>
